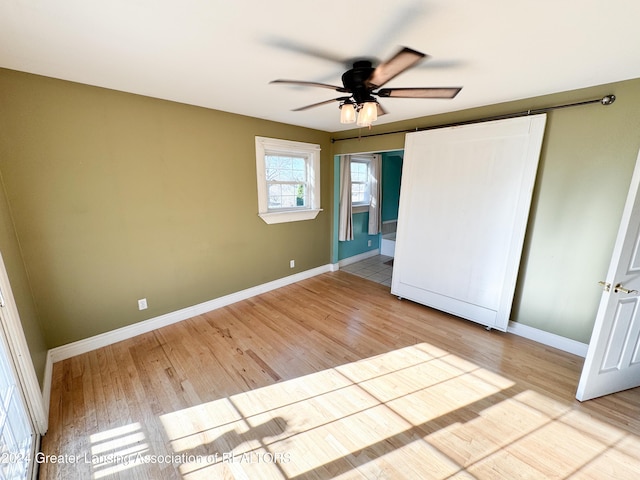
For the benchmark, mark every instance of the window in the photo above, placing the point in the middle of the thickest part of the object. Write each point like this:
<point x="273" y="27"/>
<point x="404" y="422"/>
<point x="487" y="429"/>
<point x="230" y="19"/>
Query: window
<point x="360" y="181"/>
<point x="286" y="181"/>
<point x="288" y="176"/>
<point x="361" y="178"/>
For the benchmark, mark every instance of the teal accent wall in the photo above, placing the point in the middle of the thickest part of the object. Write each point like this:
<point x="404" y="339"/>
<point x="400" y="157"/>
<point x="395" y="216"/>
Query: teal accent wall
<point x="359" y="244"/>
<point x="391" y="176"/>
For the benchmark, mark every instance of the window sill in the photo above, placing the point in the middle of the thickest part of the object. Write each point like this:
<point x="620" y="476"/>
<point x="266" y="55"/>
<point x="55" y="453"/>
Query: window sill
<point x="359" y="208"/>
<point x="289" y="216"/>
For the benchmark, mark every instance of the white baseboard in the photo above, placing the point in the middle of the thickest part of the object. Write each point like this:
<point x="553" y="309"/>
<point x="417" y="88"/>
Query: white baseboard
<point x="69" y="350"/>
<point x="358" y="258"/>
<point x="549" y="339"/>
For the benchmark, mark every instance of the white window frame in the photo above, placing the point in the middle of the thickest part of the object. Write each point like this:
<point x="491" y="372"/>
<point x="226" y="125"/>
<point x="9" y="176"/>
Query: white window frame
<point x="362" y="206"/>
<point x="311" y="152"/>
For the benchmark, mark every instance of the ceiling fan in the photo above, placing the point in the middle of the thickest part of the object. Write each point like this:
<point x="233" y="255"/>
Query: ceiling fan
<point x="362" y="85"/>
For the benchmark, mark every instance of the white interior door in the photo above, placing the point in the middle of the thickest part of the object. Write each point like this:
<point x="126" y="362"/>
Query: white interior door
<point x="22" y="412"/>
<point x="17" y="434"/>
<point x="464" y="205"/>
<point x="613" y="358"/>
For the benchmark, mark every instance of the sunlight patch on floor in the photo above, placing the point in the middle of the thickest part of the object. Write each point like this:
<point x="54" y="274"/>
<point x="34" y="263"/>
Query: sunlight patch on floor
<point x="532" y="436"/>
<point x="415" y="412"/>
<point x="116" y="450"/>
<point x="362" y="415"/>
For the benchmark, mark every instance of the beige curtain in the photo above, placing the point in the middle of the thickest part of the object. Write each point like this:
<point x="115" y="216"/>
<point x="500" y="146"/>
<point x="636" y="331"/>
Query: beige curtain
<point x="375" y="218"/>
<point x="345" y="227"/>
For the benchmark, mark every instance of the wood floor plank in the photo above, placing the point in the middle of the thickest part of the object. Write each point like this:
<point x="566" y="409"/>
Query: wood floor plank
<point x="333" y="377"/>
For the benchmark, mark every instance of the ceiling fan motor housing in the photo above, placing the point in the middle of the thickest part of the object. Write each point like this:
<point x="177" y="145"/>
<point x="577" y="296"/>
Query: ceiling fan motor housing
<point x="355" y="81"/>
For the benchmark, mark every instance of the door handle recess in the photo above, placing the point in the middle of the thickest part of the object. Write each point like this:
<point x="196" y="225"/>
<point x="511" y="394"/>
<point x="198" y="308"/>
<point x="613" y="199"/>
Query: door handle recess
<point x="619" y="288"/>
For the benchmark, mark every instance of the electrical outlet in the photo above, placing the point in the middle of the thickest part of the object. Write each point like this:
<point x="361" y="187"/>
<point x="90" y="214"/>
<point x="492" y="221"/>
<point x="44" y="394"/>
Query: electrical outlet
<point x="142" y="304"/>
<point x="369" y="243"/>
<point x="292" y="264"/>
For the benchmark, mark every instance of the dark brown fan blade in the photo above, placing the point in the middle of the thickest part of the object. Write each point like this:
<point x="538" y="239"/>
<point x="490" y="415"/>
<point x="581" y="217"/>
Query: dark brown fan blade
<point x="397" y="64"/>
<point x="310" y="84"/>
<point x="340" y="99"/>
<point x="435" y="92"/>
<point x="309" y="50"/>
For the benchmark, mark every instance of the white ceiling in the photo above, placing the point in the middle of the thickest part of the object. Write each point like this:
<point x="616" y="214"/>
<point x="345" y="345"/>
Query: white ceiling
<point x="222" y="54"/>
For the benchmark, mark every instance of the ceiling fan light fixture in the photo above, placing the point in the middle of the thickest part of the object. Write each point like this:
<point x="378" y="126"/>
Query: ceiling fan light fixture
<point x="347" y="112"/>
<point x="368" y="113"/>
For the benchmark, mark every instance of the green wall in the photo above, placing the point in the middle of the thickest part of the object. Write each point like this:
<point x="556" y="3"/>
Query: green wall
<point x="117" y="197"/>
<point x="585" y="168"/>
<point x="14" y="264"/>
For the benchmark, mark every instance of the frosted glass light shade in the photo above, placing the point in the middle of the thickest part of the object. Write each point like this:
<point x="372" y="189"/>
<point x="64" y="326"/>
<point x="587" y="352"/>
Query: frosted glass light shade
<point x="347" y="113"/>
<point x="368" y="114"/>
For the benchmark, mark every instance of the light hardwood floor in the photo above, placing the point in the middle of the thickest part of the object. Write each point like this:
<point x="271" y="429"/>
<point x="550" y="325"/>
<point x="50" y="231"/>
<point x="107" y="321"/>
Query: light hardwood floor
<point x="333" y="378"/>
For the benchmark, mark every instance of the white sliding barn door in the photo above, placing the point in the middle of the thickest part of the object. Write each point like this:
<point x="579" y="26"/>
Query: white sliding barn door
<point x="464" y="205"/>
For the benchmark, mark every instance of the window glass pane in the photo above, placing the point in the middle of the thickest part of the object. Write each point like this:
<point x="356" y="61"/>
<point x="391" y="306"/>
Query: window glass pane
<point x="359" y="193"/>
<point x="299" y="164"/>
<point x="288" y="189"/>
<point x="301" y="196"/>
<point x="275" y="190"/>
<point x="359" y="172"/>
<point x="286" y="169"/>
<point x="275" y="196"/>
<point x="287" y="195"/>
